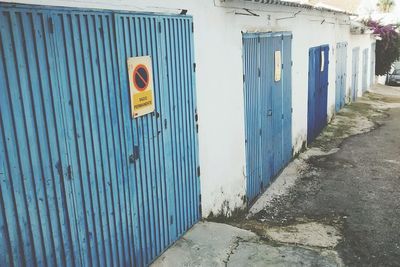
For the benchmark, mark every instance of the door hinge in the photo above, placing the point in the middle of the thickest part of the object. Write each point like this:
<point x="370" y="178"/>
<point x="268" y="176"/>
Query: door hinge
<point x="51" y="25"/>
<point x="198" y="171"/>
<point x="192" y="27"/>
<point x="259" y="72"/>
<point x="194" y="67"/>
<point x="260" y="132"/>
<point x="159" y="26"/>
<point x="283" y="116"/>
<point x="243" y="78"/>
<point x="291" y="110"/>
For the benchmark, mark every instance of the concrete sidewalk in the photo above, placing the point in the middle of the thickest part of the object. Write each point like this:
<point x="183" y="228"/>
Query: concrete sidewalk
<point x="216" y="244"/>
<point x="336" y="204"/>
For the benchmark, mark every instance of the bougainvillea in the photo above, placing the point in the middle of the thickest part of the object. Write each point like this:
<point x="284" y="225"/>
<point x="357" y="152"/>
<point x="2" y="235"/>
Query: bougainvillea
<point x="387" y="46"/>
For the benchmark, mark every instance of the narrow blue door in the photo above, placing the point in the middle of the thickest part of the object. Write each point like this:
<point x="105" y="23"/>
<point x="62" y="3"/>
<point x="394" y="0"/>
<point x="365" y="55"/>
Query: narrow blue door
<point x="355" y="73"/>
<point x="317" y="91"/>
<point x="82" y="183"/>
<point x="341" y="75"/>
<point x="365" y="65"/>
<point x="372" y="66"/>
<point x="268" y="108"/>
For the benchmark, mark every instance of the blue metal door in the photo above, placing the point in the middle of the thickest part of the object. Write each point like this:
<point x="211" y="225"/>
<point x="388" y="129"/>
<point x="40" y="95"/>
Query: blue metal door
<point x="317" y="91"/>
<point x="268" y="108"/>
<point x="355" y="73"/>
<point x="365" y="70"/>
<point x="341" y="75"/>
<point x="36" y="190"/>
<point x="372" y="66"/>
<point x="82" y="183"/>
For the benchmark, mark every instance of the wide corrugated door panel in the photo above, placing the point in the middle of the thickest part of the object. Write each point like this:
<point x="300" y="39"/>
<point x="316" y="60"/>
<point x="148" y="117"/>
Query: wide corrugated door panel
<point x="84" y="46"/>
<point x="82" y="183"/>
<point x="167" y="192"/>
<point x="252" y="114"/>
<point x="268" y="108"/>
<point x="36" y="192"/>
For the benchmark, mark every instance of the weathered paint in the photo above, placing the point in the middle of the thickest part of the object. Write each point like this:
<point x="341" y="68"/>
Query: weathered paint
<point x="341" y="75"/>
<point x="82" y="183"/>
<point x="268" y="108"/>
<point x="317" y="90"/>
<point x="355" y="73"/>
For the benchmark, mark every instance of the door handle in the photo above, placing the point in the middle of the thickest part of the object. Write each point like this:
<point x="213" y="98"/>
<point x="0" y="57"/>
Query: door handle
<point x="269" y="112"/>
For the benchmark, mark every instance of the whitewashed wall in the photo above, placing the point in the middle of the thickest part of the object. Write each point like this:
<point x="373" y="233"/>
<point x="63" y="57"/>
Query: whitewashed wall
<point x="218" y="55"/>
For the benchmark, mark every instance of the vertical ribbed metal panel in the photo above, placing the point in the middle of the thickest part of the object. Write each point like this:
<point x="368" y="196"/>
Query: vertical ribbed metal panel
<point x="251" y="63"/>
<point x="36" y="193"/>
<point x="317" y="91"/>
<point x="287" y="97"/>
<point x="341" y="75"/>
<point x="277" y="114"/>
<point x="167" y="193"/>
<point x="71" y="194"/>
<point x="324" y="83"/>
<point x="268" y="108"/>
<point x="266" y="134"/>
<point x="355" y="73"/>
<point x="365" y="65"/>
<point x="372" y="66"/>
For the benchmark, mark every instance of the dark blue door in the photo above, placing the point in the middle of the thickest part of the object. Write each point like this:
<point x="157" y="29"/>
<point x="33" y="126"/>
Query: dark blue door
<point x="268" y="107"/>
<point x="317" y="91"/>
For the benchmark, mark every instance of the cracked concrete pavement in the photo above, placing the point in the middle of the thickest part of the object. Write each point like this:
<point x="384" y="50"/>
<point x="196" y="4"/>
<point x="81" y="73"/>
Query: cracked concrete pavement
<point x="336" y="204"/>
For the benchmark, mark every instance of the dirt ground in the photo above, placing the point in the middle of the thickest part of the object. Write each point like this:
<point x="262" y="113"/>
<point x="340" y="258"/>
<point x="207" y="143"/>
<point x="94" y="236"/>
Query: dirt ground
<point x="352" y="185"/>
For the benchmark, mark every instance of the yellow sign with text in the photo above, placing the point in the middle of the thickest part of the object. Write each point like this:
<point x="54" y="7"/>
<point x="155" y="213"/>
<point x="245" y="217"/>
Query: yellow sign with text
<point x="141" y="85"/>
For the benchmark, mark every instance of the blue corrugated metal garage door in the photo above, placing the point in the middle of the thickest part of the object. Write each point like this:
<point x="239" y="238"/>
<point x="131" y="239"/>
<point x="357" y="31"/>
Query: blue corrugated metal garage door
<point x="372" y="66"/>
<point x="355" y="73"/>
<point x="81" y="182"/>
<point x="365" y="65"/>
<point x="341" y="75"/>
<point x="268" y="108"/>
<point x="317" y="91"/>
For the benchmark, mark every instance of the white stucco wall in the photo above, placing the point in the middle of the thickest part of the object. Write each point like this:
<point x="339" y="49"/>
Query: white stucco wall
<point x="218" y="56"/>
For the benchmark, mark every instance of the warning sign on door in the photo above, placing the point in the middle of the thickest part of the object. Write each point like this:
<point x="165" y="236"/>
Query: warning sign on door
<point x="141" y="85"/>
